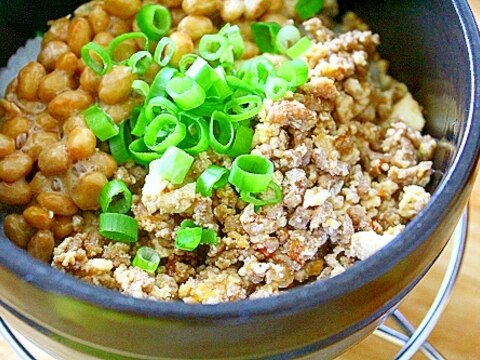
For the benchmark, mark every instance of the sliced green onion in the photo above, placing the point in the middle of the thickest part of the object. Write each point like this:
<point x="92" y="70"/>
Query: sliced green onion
<point x="251" y="173"/>
<point x="242" y="143"/>
<point x="202" y="73"/>
<point x="141" y="87"/>
<point x="140" y="62"/>
<point x="159" y="84"/>
<point x="146" y="259"/>
<point x="237" y="83"/>
<point x="164" y="51"/>
<point x="209" y="236"/>
<point x="154" y="20"/>
<point x="287" y="37"/>
<point x="173" y="166"/>
<point x="141" y="154"/>
<point x="119" y="144"/>
<point x="164" y="131"/>
<point x="138" y="122"/>
<point x="124" y="37"/>
<point x="158" y="105"/>
<point x="196" y="140"/>
<point x="308" y="8"/>
<point x="186" y="61"/>
<point x="100" y="122"/>
<point x="210" y="105"/>
<point x="264" y="35"/>
<point x="115" y="197"/>
<point x="214" y="177"/>
<point x="118" y="227"/>
<point x="262" y="201"/>
<point x="188" y="239"/>
<point x="220" y="87"/>
<point x="299" y="48"/>
<point x="221" y="132"/>
<point x="211" y="47"/>
<point x="276" y="88"/>
<point x="234" y="36"/>
<point x="187" y="223"/>
<point x="244" y="107"/>
<point x="186" y="93"/>
<point x="294" y="71"/>
<point x="260" y="69"/>
<point x="99" y="68"/>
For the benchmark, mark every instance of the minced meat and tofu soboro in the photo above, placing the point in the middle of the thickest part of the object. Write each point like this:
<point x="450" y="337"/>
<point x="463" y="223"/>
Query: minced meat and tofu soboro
<point x="209" y="151"/>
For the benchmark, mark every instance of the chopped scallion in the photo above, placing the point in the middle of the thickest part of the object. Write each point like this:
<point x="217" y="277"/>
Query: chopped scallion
<point x="115" y="197"/>
<point x="100" y="122"/>
<point x="118" y="227"/>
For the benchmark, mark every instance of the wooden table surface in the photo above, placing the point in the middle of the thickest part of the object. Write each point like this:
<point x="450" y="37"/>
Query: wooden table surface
<point x="458" y="331"/>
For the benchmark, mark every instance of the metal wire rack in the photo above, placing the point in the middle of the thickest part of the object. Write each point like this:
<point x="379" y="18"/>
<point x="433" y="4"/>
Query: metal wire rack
<point x="411" y="339"/>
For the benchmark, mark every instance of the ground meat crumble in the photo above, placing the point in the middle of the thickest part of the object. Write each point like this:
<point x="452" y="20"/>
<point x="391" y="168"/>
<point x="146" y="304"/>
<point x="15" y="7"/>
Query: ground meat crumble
<point x="350" y="159"/>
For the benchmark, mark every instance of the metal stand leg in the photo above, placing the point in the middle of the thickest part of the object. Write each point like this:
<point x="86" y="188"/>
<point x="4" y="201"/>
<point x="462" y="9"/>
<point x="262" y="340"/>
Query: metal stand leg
<point x="416" y="339"/>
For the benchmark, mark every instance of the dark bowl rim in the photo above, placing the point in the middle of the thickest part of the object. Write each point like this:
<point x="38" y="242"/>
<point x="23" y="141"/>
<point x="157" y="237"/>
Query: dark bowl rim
<point x="302" y="297"/>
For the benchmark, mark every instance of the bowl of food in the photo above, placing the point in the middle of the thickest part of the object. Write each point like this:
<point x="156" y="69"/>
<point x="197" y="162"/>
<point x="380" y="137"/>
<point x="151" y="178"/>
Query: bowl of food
<point x="234" y="179"/>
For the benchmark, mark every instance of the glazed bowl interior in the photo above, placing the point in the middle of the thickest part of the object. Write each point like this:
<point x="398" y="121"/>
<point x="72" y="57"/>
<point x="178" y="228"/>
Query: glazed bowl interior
<point x="434" y="60"/>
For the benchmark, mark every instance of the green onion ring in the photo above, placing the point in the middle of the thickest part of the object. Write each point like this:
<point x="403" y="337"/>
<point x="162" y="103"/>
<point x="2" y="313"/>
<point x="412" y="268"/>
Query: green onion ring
<point x="221" y="132"/>
<point x="251" y="173"/>
<point x="164" y="51"/>
<point x="115" y="197"/>
<point x="154" y="20"/>
<point x="164" y="131"/>
<point x="146" y="259"/>
<point x="118" y="227"/>
<point x="106" y="60"/>
<point x="214" y="177"/>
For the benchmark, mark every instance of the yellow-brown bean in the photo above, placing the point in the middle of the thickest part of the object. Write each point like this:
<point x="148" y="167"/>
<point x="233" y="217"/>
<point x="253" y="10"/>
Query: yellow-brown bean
<point x="255" y="8"/>
<point x="125" y="50"/>
<point x="231" y="10"/>
<point x="183" y="45"/>
<point x="54" y="159"/>
<point x="171" y="3"/>
<point x="275" y="6"/>
<point x="16" y="126"/>
<point x="79" y="34"/>
<point x="38" y="217"/>
<point x="7" y="145"/>
<point x="116" y="86"/>
<point x="81" y="143"/>
<point x="103" y="163"/>
<point x="124" y="9"/>
<point x="199" y="7"/>
<point x="103" y="39"/>
<point x="99" y="19"/>
<point x="41" y="245"/>
<point x="57" y="203"/>
<point x="51" y="53"/>
<point x="195" y="26"/>
<point x="152" y="71"/>
<point x="119" y="26"/>
<point x="120" y="112"/>
<point x="276" y="18"/>
<point x="53" y="84"/>
<point x="89" y="80"/>
<point x="46" y="122"/>
<point x="38" y="141"/>
<point x="85" y="194"/>
<point x="29" y="80"/>
<point x="62" y="226"/>
<point x="58" y="31"/>
<point x="67" y="62"/>
<point x="72" y="123"/>
<point x="15" y="166"/>
<point x="17" y="193"/>
<point x="17" y="230"/>
<point x="251" y="50"/>
<point x="177" y="15"/>
<point x="40" y="183"/>
<point x="69" y="103"/>
<point x="245" y="29"/>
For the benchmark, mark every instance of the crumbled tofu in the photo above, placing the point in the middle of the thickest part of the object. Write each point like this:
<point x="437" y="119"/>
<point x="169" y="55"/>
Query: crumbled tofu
<point x="414" y="199"/>
<point x="409" y="112"/>
<point x="366" y="243"/>
<point x="315" y="197"/>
